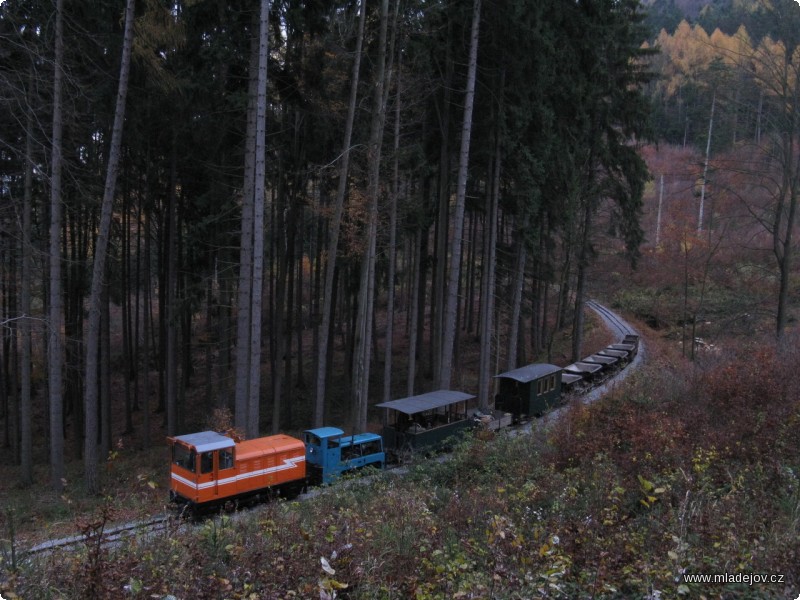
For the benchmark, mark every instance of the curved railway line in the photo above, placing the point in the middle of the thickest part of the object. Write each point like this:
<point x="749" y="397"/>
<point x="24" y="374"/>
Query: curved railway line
<point x="171" y="522"/>
<point x="612" y="320"/>
<point x="616" y="324"/>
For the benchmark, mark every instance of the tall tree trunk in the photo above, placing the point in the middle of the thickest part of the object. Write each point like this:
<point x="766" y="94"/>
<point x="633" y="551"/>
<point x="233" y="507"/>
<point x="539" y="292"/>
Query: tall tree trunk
<point x="284" y="289"/>
<point x="223" y="325"/>
<point x="580" y="284"/>
<point x="439" y="275"/>
<point x="658" y="216"/>
<point x="26" y="410"/>
<point x="705" y="166"/>
<point x="366" y="295"/>
<point x="487" y="287"/>
<point x="281" y="223"/>
<point x="446" y="368"/>
<point x="11" y="355"/>
<point x="244" y="289"/>
<point x="516" y="298"/>
<point x="562" y="311"/>
<point x="387" y="364"/>
<point x="335" y="226"/>
<point x="208" y="396"/>
<point x="300" y="318"/>
<point x="146" y="320"/>
<point x="545" y="334"/>
<point x="75" y="233"/>
<point x="137" y="303"/>
<point x="254" y="395"/>
<point x="413" y="311"/>
<point x="105" y="372"/>
<point x="55" y="346"/>
<point x="127" y="310"/>
<point x="472" y="267"/>
<point x="98" y="271"/>
<point x="171" y="296"/>
<point x="251" y="260"/>
<point x="784" y="223"/>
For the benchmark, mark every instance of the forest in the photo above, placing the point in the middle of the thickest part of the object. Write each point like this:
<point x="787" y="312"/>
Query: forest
<point x="275" y="215"/>
<point x="287" y="212"/>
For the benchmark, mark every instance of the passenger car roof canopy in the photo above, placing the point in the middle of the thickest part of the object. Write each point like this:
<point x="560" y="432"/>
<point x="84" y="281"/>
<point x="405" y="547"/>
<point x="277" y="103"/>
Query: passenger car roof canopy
<point x="423" y="402"/>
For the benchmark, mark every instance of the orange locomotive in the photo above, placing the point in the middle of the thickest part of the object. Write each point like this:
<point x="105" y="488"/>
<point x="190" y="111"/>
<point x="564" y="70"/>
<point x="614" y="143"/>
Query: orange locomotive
<point x="210" y="469"/>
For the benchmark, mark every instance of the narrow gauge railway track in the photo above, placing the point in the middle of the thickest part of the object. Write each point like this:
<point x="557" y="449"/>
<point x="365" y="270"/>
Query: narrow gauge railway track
<point x="612" y="319"/>
<point x="614" y="322"/>
<point x="107" y="536"/>
<point x="169" y="523"/>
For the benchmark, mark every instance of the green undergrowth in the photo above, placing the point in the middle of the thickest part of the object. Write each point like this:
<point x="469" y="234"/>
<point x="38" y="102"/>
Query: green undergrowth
<point x="685" y="471"/>
<point x="718" y="311"/>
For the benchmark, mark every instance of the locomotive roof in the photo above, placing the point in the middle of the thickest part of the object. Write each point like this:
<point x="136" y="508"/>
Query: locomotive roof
<point x="423" y="402"/>
<point x="360" y="438"/>
<point x="325" y="432"/>
<point x="206" y="441"/>
<point x="530" y="372"/>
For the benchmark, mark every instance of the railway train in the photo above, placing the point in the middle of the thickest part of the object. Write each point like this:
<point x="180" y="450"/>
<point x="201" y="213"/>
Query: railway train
<point x="211" y="470"/>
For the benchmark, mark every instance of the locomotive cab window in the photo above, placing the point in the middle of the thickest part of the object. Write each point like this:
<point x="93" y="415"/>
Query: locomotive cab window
<point x="183" y="457"/>
<point x="350" y="452"/>
<point x="225" y="459"/>
<point x="206" y="462"/>
<point x="372" y="447"/>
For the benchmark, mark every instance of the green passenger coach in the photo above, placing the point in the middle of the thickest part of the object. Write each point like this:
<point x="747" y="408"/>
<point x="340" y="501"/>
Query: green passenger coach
<point x="529" y="391"/>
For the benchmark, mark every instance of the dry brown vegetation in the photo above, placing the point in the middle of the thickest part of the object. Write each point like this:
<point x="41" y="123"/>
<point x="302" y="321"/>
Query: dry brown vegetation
<point x="691" y="468"/>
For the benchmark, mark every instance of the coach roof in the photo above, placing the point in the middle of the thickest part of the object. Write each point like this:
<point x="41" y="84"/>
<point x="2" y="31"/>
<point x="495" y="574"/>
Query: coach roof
<point x="530" y="372"/>
<point x="423" y="402"/>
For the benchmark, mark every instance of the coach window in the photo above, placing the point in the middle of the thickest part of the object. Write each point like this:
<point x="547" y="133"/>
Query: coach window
<point x="206" y="462"/>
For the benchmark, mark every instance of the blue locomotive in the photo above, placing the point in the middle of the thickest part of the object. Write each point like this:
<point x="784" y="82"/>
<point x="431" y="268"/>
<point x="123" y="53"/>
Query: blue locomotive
<point x="329" y="453"/>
